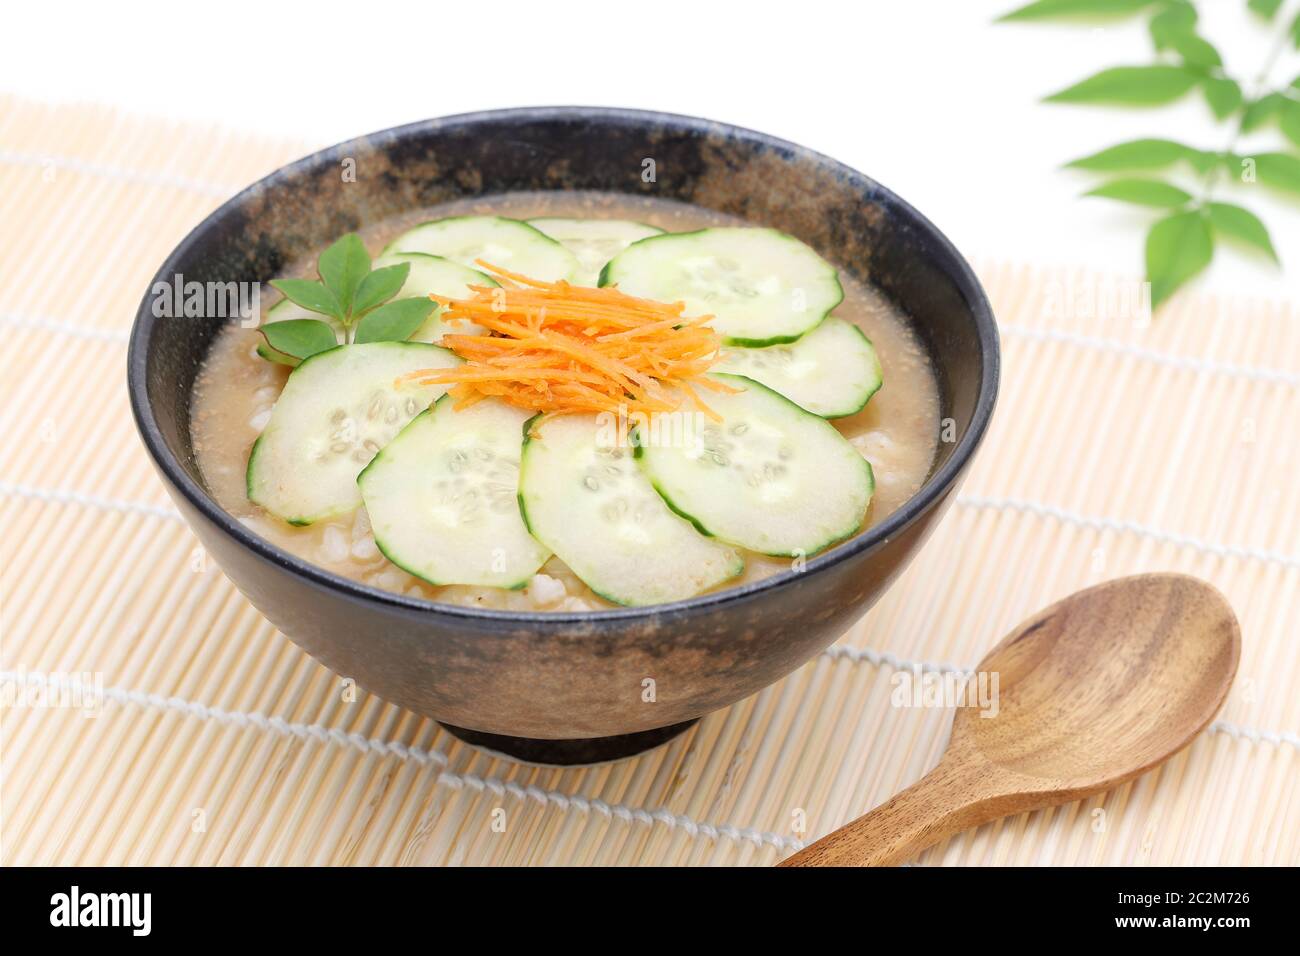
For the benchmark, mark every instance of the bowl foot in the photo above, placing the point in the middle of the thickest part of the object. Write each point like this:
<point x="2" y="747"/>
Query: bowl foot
<point x="568" y="753"/>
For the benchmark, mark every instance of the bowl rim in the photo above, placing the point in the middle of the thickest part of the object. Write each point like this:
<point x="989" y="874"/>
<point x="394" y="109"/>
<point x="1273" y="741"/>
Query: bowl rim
<point x="936" y="486"/>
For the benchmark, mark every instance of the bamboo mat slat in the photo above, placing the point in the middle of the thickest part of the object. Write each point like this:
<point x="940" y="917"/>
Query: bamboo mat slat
<point x="1119" y="447"/>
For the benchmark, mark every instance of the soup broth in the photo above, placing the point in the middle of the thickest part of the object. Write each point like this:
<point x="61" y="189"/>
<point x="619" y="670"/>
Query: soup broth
<point x="897" y="431"/>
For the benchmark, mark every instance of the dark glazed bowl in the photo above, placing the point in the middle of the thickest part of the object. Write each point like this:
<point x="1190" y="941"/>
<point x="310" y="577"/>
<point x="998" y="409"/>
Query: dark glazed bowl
<point x="570" y="675"/>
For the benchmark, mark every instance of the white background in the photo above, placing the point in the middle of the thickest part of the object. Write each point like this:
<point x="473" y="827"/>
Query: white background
<point x="928" y="96"/>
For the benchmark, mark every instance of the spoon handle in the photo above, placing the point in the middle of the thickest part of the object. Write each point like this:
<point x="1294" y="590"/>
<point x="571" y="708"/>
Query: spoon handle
<point x="941" y="803"/>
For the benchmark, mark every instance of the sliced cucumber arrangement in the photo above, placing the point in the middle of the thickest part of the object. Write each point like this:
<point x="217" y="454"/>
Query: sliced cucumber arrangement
<point x="587" y="500"/>
<point x="443" y="497"/>
<point x="438" y="276"/>
<point x="832" y="371"/>
<point x="337" y="410"/>
<point x="594" y="241"/>
<point x="769" y="477"/>
<point x="761" y="286"/>
<point x="508" y="243"/>
<point x="483" y="496"/>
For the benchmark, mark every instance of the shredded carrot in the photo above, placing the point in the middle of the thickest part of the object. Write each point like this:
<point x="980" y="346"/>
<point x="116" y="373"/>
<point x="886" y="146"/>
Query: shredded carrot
<point x="554" y="347"/>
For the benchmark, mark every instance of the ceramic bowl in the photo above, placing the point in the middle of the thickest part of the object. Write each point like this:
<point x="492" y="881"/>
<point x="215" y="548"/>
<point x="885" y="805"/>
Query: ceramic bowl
<point x="567" y="687"/>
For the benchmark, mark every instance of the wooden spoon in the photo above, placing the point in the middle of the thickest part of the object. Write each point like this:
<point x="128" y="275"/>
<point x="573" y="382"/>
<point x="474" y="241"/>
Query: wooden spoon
<point x="1092" y="692"/>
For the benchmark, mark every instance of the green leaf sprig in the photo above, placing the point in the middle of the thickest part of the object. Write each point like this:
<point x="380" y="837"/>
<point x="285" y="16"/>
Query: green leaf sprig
<point x="1180" y="245"/>
<point x="350" y="293"/>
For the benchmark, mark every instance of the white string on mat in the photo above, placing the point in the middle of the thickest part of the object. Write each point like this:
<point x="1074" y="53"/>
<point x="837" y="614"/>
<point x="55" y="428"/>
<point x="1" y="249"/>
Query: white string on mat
<point x="117" y="173"/>
<point x="62" y="496"/>
<point x="67" y="496"/>
<point x="836" y="651"/>
<point x="1272" y="376"/>
<point x="885" y="659"/>
<point x="1180" y="362"/>
<point x="395" y="748"/>
<point x="1132" y="527"/>
<point x="73" y="330"/>
<point x="1239" y="732"/>
<point x="495" y="785"/>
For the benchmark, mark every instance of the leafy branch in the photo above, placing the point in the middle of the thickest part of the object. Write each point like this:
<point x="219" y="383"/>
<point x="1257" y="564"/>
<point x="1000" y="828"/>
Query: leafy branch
<point x="1181" y="244"/>
<point x="351" y="293"/>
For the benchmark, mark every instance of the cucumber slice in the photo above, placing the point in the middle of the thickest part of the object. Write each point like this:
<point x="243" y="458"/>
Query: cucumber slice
<point x="439" y="276"/>
<point x="443" y="497"/>
<point x="586" y="500"/>
<point x="594" y="241"/>
<point x="832" y="371"/>
<point x="337" y="410"/>
<point x="508" y="243"/>
<point x="769" y="477"/>
<point x="761" y="286"/>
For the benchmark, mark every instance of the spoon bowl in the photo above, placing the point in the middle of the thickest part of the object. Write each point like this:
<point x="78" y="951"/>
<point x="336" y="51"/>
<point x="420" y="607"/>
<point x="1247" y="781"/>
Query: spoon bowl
<point x="1091" y="692"/>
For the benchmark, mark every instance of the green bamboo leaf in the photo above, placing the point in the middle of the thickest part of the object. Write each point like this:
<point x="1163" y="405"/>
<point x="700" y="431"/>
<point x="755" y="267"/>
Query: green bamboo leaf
<point x="1045" y="9"/>
<point x="1265" y="8"/>
<point x="1280" y="170"/>
<point x="299" y="337"/>
<point x="1295" y="31"/>
<point x="1289" y="120"/>
<point x="1195" y="51"/>
<point x="1178" y="247"/>
<point x="394" y="322"/>
<point x="1177" y="19"/>
<point x="1240" y="223"/>
<point x="1144" y="154"/>
<point x="342" y="267"/>
<point x="1261" y="111"/>
<point x="380" y="286"/>
<point x="311" y="295"/>
<point x="1131" y="86"/>
<point x="1223" y="95"/>
<point x="1143" y="192"/>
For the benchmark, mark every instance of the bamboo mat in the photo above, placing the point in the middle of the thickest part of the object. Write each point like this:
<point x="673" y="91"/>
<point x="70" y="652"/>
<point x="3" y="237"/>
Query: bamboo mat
<point x="1117" y="448"/>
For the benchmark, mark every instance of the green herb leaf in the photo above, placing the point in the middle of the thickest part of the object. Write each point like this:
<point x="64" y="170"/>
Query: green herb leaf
<point x="380" y="286"/>
<point x="311" y="295"/>
<point x="299" y="337"/>
<point x="1178" y="247"/>
<point x="394" y="322"/>
<point x="1143" y="192"/>
<point x="1289" y="120"/>
<point x="271" y="355"/>
<point x="1176" y="20"/>
<point x="1239" y="223"/>
<point x="1261" y="111"/>
<point x="1295" y="31"/>
<point x="1131" y="86"/>
<point x="342" y="267"/>
<point x="1195" y="50"/>
<point x="1265" y="8"/>
<point x="1144" y="154"/>
<point x="1280" y="170"/>
<point x="1044" y="9"/>
<point x="1223" y="95"/>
